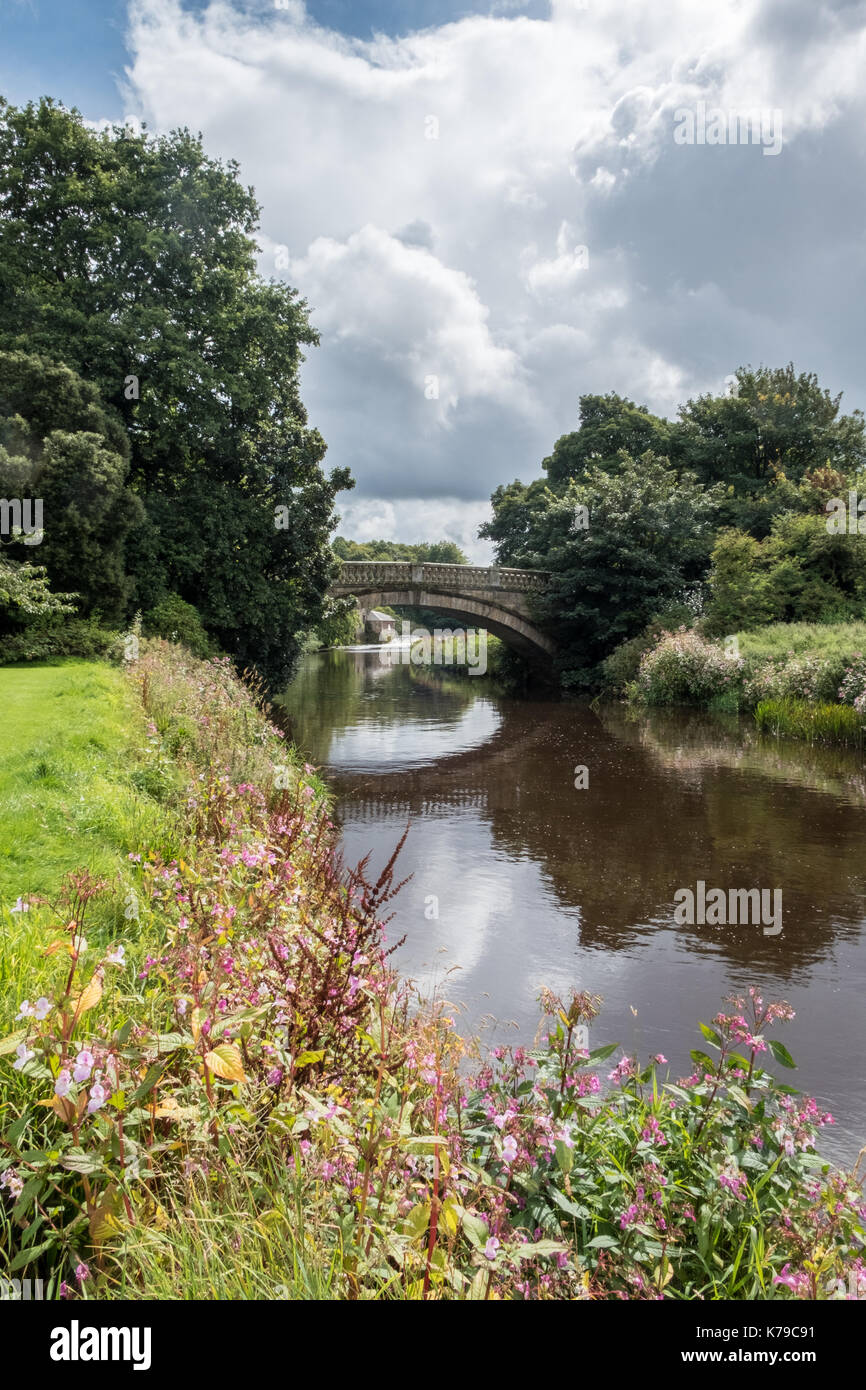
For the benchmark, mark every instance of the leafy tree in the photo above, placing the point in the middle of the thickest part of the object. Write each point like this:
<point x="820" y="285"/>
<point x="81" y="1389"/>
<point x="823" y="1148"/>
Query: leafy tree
<point x="177" y="621"/>
<point x="647" y="541"/>
<point x="133" y="261"/>
<point x="58" y="443"/>
<point x="609" y="425"/>
<point x="425" y="552"/>
<point x="799" y="573"/>
<point x="517" y="509"/>
<point x="760" y="441"/>
<point x="25" y="597"/>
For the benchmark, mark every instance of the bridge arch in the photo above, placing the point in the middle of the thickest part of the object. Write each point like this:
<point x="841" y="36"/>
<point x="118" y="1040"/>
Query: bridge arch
<point x="472" y="596"/>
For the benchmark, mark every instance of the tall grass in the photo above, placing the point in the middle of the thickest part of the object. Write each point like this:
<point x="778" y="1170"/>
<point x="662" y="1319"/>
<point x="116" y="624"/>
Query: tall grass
<point x="821" y="723"/>
<point x="831" y="640"/>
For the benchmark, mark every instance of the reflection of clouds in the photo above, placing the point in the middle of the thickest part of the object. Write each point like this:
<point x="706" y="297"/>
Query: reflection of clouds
<point x="474" y="901"/>
<point x="369" y="744"/>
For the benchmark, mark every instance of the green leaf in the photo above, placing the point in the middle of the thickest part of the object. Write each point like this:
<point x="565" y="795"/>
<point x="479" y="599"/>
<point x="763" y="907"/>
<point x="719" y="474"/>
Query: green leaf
<point x="601" y="1053"/>
<point x="538" y="1247"/>
<point x="14" y="1132"/>
<point x="77" y="1161"/>
<point x="603" y="1243"/>
<point x="739" y="1095"/>
<point x="711" y="1035"/>
<point x="782" y="1055"/>
<point x="704" y="1062"/>
<point x="9" y="1044"/>
<point x="29" y="1193"/>
<point x="307" y="1059"/>
<point x="24" y="1257"/>
<point x="150" y="1080"/>
<point x="564" y="1157"/>
<point x="568" y="1206"/>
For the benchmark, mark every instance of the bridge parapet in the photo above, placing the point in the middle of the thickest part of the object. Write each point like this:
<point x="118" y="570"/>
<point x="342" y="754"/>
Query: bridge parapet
<point x="464" y="578"/>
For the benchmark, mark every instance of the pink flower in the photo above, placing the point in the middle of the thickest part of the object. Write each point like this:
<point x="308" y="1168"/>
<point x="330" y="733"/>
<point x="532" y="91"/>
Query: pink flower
<point x="84" y="1064"/>
<point x="509" y="1148"/>
<point x="97" y="1098"/>
<point x="492" y="1247"/>
<point x="63" y="1083"/>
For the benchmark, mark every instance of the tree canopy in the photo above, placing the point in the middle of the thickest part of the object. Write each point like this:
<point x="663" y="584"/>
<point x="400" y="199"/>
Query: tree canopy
<point x="131" y="261"/>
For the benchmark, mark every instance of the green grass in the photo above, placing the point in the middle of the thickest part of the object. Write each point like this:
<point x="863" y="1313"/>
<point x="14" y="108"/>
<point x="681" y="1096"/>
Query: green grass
<point x="73" y="787"/>
<point x="816" y="722"/>
<point x="774" y="643"/>
<point x="78" y="789"/>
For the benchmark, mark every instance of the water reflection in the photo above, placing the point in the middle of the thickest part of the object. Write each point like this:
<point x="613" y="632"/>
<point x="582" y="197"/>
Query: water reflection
<point x="520" y="880"/>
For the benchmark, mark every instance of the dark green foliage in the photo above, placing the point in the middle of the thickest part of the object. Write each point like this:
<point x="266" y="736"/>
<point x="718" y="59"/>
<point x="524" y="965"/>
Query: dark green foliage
<point x="60" y="444"/>
<point x="177" y="621"/>
<point x="762" y="440"/>
<point x="647" y="541"/>
<point x="426" y="552"/>
<point x="609" y="425"/>
<point x="132" y="261"/>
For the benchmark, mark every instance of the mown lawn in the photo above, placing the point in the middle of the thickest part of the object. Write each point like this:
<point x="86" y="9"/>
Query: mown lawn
<point x="67" y="787"/>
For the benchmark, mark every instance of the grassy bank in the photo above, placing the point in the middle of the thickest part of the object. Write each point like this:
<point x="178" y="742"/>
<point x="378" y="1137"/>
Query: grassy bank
<point x="805" y="680"/>
<point x="213" y="1085"/>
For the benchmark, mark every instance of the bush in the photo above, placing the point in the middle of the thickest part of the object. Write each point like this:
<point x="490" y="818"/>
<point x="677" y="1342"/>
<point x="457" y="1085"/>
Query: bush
<point x="178" y="621"/>
<point x="852" y="687"/>
<point x="811" y="678"/>
<point x="622" y="666"/>
<point x="74" y="637"/>
<point x="684" y="669"/>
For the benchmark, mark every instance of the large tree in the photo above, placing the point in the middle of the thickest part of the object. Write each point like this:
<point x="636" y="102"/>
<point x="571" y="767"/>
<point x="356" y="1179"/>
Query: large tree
<point x="763" y="437"/>
<point x="620" y="546"/>
<point x="133" y="260"/>
<point x="609" y="426"/>
<point x="60" y="445"/>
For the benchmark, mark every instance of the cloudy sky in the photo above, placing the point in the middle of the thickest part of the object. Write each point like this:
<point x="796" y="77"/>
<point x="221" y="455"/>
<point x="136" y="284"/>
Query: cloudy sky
<point x="493" y="210"/>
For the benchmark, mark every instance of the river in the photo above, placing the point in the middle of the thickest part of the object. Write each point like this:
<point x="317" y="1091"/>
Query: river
<point x="521" y="879"/>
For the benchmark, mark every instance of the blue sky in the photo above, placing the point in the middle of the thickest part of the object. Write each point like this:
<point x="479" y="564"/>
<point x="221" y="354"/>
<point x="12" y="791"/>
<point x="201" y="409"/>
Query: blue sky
<point x="76" y="49"/>
<point x="488" y="209"/>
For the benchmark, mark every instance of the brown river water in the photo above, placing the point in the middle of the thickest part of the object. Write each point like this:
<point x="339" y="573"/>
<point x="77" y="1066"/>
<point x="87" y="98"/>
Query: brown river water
<point x="520" y="879"/>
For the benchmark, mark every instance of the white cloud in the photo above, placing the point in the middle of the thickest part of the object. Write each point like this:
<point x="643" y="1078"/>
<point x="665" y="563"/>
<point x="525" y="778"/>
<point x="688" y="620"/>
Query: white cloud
<point x="455" y="256"/>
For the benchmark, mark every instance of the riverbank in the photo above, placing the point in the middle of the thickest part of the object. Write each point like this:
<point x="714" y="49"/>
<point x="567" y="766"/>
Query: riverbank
<point x="245" y="1101"/>
<point x="805" y="680"/>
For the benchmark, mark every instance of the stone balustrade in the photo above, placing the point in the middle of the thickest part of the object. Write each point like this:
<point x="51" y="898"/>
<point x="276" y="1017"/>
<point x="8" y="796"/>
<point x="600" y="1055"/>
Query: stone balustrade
<point x="465" y="578"/>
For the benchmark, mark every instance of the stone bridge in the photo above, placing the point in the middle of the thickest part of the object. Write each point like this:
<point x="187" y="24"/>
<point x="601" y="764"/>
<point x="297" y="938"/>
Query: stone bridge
<point x="477" y="596"/>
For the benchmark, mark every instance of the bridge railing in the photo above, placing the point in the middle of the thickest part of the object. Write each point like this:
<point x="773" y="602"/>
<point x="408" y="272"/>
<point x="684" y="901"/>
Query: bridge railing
<point x="398" y="572"/>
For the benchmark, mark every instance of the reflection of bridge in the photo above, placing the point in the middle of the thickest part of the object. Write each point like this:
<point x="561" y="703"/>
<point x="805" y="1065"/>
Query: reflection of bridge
<point x="475" y="596"/>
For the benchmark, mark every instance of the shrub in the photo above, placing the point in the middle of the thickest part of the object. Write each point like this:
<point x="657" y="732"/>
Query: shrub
<point x="852" y="687"/>
<point x="796" y="678"/>
<point x="74" y="637"/>
<point x="684" y="669"/>
<point x="178" y="621"/>
<point x="621" y="668"/>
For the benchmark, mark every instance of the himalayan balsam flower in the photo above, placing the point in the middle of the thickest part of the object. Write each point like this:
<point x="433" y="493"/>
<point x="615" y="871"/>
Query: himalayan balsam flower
<point x="116" y="955"/>
<point x="84" y="1064"/>
<point x="97" y="1098"/>
<point x="82" y="1272"/>
<point x="509" y="1148"/>
<point x="491" y="1247"/>
<point x="42" y="1008"/>
<point x="23" y="1054"/>
<point x="21" y="905"/>
<point x="13" y="1184"/>
<point x="27" y="1010"/>
<point x="63" y="1084"/>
